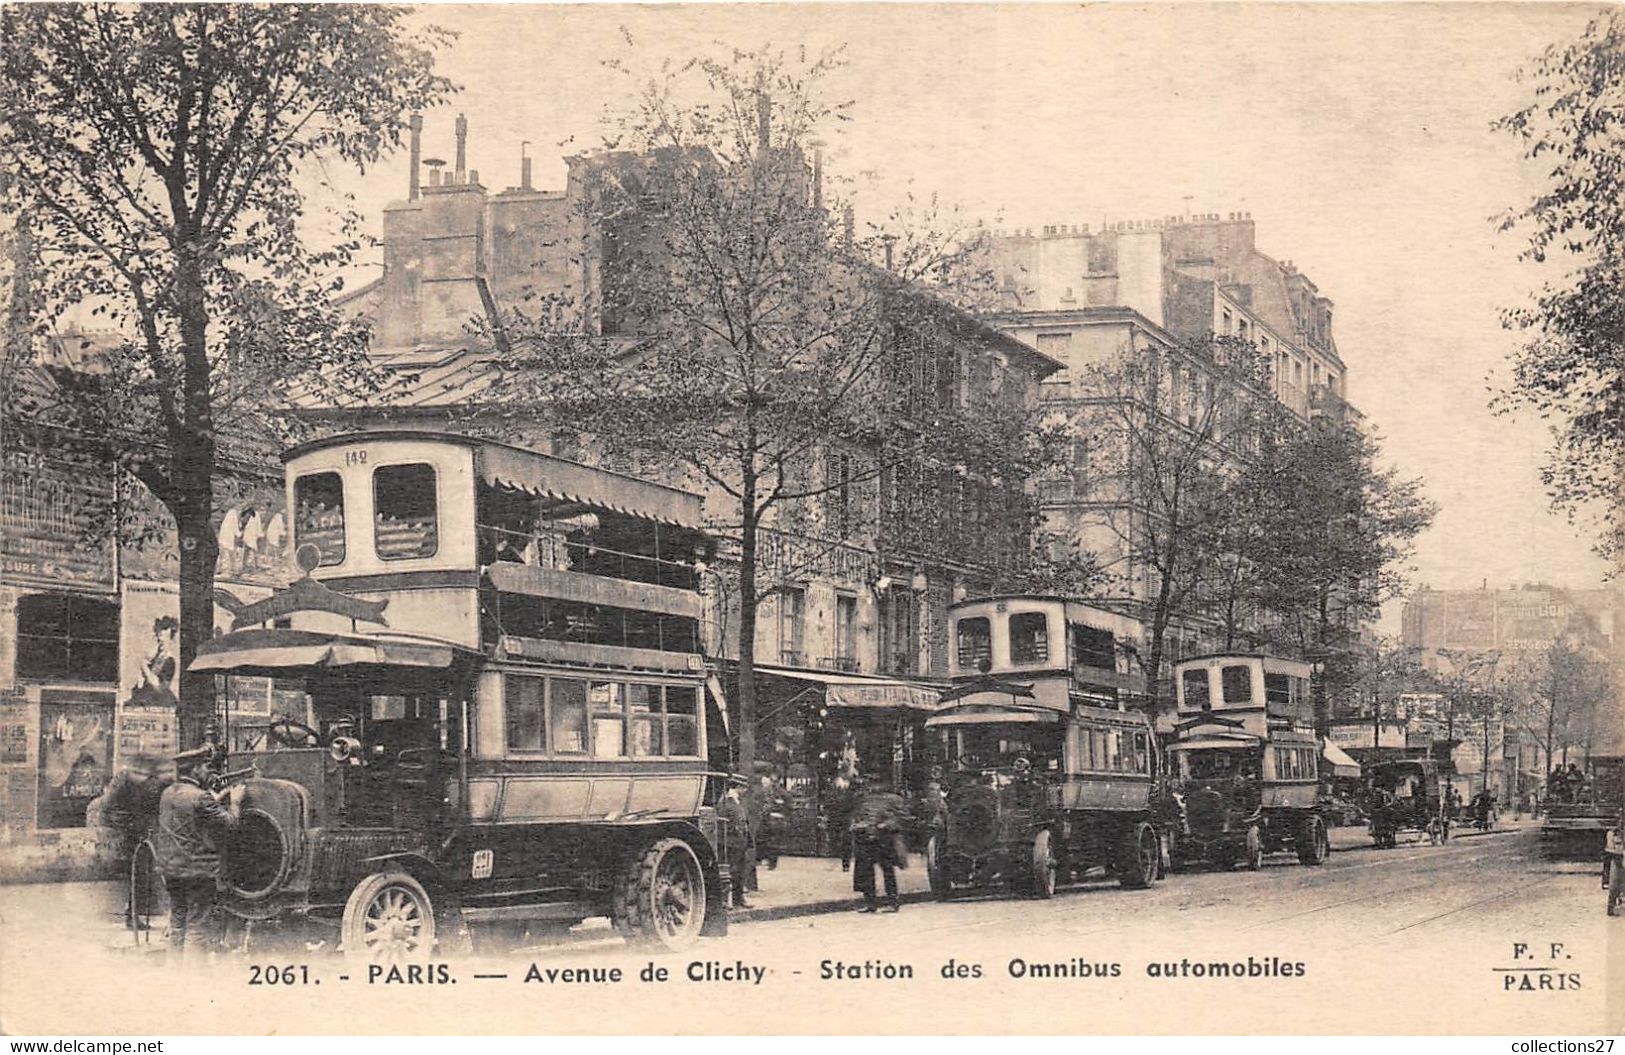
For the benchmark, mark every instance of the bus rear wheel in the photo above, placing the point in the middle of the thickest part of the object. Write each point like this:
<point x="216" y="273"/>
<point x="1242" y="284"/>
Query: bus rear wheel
<point x="1045" y="868"/>
<point x="1314" y="845"/>
<point x="660" y="897"/>
<point x="1138" y="857"/>
<point x="1253" y="858"/>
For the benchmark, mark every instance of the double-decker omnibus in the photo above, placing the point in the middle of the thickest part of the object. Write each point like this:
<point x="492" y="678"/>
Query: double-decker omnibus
<point x="505" y="702"/>
<point x="1049" y="769"/>
<point x="1245" y="762"/>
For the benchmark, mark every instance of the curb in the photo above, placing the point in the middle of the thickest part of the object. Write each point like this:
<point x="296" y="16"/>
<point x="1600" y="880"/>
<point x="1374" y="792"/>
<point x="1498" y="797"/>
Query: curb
<point x="817" y="908"/>
<point x="1470" y="834"/>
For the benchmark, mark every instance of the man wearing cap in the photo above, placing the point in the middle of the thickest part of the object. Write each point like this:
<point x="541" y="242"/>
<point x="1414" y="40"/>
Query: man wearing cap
<point x="741" y="844"/>
<point x="192" y="826"/>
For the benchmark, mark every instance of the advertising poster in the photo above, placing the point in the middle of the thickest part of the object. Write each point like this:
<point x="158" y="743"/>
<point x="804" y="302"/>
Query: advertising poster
<point x="75" y="754"/>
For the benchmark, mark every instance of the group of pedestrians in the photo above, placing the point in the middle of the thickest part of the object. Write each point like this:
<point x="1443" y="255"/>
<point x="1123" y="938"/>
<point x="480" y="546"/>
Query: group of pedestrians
<point x="1566" y="784"/>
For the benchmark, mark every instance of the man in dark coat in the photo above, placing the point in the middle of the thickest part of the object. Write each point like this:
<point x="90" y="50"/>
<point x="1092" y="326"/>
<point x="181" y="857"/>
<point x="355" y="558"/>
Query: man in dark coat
<point x="192" y="825"/>
<point x="877" y="819"/>
<point x="741" y="847"/>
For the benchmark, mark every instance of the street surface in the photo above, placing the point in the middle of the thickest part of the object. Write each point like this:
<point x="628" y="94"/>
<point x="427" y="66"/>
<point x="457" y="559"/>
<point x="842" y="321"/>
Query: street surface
<point x="1405" y="930"/>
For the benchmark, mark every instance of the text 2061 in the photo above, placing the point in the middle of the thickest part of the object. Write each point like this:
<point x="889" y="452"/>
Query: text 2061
<point x="274" y="974"/>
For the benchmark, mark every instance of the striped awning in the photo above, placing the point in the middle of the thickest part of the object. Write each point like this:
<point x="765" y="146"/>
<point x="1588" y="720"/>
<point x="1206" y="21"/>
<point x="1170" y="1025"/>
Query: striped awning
<point x="539" y="474"/>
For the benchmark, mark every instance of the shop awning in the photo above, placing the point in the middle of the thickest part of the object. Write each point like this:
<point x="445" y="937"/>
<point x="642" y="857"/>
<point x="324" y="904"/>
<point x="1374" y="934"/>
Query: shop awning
<point x="855" y="690"/>
<point x="1342" y="764"/>
<point x="269" y="651"/>
<point x="982" y="715"/>
<point x="539" y="474"/>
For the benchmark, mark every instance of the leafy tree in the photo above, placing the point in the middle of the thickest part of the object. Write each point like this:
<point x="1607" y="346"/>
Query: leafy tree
<point x="1166" y="434"/>
<point x="741" y="336"/>
<point x="1339" y="529"/>
<point x="1571" y="368"/>
<point x="157" y="151"/>
<point x="1562" y="693"/>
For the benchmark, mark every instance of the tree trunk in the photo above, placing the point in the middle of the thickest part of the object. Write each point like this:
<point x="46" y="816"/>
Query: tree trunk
<point x="746" y="761"/>
<point x="193" y="454"/>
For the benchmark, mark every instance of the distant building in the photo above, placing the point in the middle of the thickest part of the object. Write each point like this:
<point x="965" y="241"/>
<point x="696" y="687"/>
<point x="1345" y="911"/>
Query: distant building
<point x="1521" y="621"/>
<point x="1086" y="297"/>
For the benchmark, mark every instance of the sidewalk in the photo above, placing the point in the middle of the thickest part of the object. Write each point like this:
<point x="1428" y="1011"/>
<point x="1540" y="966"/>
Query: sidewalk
<point x="805" y="886"/>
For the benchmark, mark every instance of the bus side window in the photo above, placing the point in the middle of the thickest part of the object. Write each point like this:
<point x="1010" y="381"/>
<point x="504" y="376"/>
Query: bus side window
<point x="522" y="699"/>
<point x="682" y="720"/>
<point x="608" y="706"/>
<point x="648" y="726"/>
<point x="1237" y="682"/>
<point x="1029" y="637"/>
<point x="1142" y="757"/>
<point x="1196" y="690"/>
<point x="567" y="714"/>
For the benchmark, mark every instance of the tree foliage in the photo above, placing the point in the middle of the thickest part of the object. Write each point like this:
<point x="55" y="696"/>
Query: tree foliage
<point x="1165" y="436"/>
<point x="1571" y="368"/>
<point x="744" y="337"/>
<point x="157" y="154"/>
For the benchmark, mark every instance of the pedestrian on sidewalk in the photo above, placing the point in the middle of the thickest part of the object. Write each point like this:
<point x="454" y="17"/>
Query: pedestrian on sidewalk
<point x="741" y="848"/>
<point x="877" y="821"/>
<point x="192" y="825"/>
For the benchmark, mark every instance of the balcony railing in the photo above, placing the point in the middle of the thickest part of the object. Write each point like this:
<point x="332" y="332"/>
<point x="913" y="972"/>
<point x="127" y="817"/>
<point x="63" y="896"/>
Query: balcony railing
<point x="790" y="657"/>
<point x="848" y="664"/>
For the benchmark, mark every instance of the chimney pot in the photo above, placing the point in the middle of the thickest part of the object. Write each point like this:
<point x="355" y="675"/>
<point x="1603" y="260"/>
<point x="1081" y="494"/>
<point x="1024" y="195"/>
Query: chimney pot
<point x="415" y="123"/>
<point x="462" y="150"/>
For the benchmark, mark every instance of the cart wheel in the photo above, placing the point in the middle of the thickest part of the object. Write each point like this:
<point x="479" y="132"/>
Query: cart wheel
<point x="1616" y="885"/>
<point x="388" y="919"/>
<point x="1138" y="856"/>
<point x="660" y="897"/>
<point x="1254" y="857"/>
<point x="1044" y="867"/>
<point x="1313" y="843"/>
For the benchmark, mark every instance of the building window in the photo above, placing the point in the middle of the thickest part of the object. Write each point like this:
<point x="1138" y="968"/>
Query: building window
<point x="1029" y="637"/>
<point x="70" y="637"/>
<point x="1055" y="345"/>
<point x="1229" y="322"/>
<point x="404" y="511"/>
<point x="846" y="631"/>
<point x="318" y="500"/>
<point x="792" y="617"/>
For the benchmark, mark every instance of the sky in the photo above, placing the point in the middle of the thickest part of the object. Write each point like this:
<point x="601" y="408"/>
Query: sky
<point x="1358" y="136"/>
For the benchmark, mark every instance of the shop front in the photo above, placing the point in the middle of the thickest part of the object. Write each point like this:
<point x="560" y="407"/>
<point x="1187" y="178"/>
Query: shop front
<point x="816" y="732"/>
